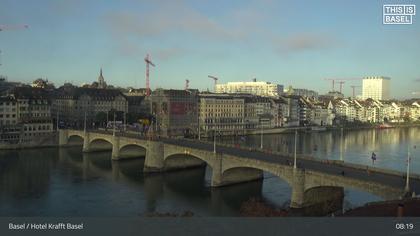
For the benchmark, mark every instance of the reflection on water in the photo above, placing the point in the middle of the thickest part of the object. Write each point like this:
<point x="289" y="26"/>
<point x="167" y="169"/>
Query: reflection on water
<point x="354" y="146"/>
<point x="66" y="182"/>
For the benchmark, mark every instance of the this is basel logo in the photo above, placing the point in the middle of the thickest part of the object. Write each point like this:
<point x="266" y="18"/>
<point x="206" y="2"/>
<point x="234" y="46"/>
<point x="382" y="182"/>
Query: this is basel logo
<point x="394" y="14"/>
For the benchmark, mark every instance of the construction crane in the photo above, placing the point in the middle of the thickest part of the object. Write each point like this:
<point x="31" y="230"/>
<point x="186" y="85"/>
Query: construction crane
<point x="148" y="62"/>
<point x="187" y="83"/>
<point x="341" y="82"/>
<point x="215" y="81"/>
<point x="13" y="27"/>
<point x="341" y="85"/>
<point x="333" y="83"/>
<point x="353" y="87"/>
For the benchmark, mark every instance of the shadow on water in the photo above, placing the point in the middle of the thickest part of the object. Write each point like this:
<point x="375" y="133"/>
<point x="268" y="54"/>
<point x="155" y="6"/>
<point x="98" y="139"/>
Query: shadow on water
<point x="67" y="182"/>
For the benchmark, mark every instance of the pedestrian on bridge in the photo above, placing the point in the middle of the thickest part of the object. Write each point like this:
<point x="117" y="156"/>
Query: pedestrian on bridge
<point x="373" y="158"/>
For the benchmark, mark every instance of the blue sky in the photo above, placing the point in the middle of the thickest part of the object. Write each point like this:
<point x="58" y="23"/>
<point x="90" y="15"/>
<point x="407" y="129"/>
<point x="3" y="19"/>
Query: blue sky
<point x="296" y="43"/>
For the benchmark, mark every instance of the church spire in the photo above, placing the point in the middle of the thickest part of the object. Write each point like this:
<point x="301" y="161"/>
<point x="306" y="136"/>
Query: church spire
<point x="101" y="80"/>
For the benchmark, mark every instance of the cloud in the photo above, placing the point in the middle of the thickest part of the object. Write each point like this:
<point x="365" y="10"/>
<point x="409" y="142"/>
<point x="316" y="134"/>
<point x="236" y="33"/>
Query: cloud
<point x="301" y="42"/>
<point x="166" y="19"/>
<point x="169" y="53"/>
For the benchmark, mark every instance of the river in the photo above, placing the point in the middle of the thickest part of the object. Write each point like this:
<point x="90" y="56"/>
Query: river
<point x="66" y="182"/>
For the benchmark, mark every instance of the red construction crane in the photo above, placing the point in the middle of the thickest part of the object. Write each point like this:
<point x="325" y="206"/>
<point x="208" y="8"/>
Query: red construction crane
<point x="215" y="81"/>
<point x="148" y="62"/>
<point x="13" y="27"/>
<point x="187" y="82"/>
<point x="353" y="88"/>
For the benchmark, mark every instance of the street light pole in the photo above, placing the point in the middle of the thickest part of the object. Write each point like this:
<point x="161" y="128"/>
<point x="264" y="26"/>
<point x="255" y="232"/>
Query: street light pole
<point x="199" y="130"/>
<point x="113" y="131"/>
<point x="214" y="141"/>
<point x="125" y="121"/>
<point x="407" y="181"/>
<point x="341" y="145"/>
<point x="85" y="123"/>
<point x="262" y="131"/>
<point x="295" y="155"/>
<point x="57" y="119"/>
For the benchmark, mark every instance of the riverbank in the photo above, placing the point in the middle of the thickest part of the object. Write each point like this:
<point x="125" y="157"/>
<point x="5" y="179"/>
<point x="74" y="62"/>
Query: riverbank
<point x="39" y="142"/>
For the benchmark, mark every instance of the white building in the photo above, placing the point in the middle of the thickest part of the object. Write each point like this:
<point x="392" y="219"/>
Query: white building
<point x="260" y="88"/>
<point x="415" y="111"/>
<point x="301" y="92"/>
<point x="376" y="87"/>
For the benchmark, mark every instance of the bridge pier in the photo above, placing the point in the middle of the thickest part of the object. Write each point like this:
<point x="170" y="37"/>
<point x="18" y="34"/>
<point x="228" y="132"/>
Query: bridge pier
<point x="154" y="157"/>
<point x="115" y="170"/>
<point x="62" y="137"/>
<point x="298" y="189"/>
<point x="115" y="148"/>
<point x="86" y="142"/>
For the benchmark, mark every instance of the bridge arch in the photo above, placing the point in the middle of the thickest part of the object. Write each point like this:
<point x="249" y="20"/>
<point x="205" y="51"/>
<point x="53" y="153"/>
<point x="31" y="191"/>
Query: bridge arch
<point x="285" y="173"/>
<point x="240" y="174"/>
<point x="184" y="160"/>
<point x="132" y="150"/>
<point x="75" y="139"/>
<point x="100" y="144"/>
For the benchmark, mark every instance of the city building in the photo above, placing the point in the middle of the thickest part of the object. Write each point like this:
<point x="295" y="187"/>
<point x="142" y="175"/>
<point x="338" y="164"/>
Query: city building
<point x="259" y="88"/>
<point x="314" y="112"/>
<point x="25" y="116"/>
<point x="6" y="86"/>
<point x="261" y="112"/>
<point x="72" y="103"/>
<point x="290" y="110"/>
<point x="301" y="92"/>
<point x="175" y="112"/>
<point x="376" y="87"/>
<point x="415" y="111"/>
<point x="8" y="112"/>
<point x="137" y="105"/>
<point x="41" y="83"/>
<point x="221" y="113"/>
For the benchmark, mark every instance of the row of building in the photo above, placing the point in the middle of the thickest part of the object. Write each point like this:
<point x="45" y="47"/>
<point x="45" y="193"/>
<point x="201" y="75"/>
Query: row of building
<point x="36" y="111"/>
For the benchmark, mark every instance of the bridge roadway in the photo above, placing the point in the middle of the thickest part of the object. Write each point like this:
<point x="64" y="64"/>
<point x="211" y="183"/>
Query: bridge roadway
<point x="233" y="165"/>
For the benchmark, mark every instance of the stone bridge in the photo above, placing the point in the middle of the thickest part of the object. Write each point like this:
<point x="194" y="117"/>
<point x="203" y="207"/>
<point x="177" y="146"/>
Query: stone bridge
<point x="231" y="165"/>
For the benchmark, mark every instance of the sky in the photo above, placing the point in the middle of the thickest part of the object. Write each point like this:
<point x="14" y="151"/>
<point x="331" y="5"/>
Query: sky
<point x="294" y="43"/>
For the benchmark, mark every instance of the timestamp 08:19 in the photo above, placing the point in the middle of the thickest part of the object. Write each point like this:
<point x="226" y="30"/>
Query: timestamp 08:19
<point x="404" y="226"/>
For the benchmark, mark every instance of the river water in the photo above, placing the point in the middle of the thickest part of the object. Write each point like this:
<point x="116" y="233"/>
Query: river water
<point x="66" y="182"/>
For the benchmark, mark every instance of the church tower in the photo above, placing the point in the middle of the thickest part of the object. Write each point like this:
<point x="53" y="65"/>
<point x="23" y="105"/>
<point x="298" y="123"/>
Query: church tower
<point x="101" y="81"/>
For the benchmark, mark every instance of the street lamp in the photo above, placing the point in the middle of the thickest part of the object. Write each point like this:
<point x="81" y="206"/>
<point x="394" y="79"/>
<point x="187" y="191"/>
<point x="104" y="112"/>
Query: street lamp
<point x="294" y="162"/>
